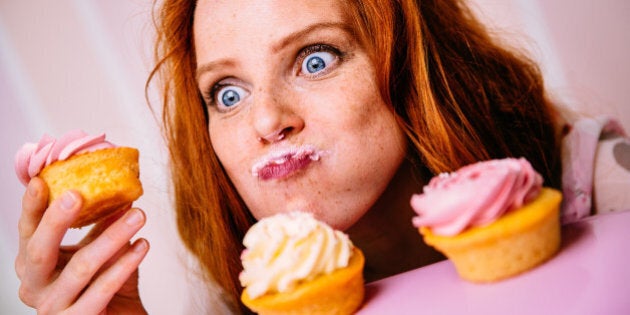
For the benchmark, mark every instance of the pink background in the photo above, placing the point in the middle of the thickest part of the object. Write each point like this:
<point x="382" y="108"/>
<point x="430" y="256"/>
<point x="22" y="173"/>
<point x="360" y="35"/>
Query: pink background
<point x="69" y="64"/>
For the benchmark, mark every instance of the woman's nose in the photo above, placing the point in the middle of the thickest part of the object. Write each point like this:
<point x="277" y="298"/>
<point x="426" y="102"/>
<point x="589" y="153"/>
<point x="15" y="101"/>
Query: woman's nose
<point x="275" y="115"/>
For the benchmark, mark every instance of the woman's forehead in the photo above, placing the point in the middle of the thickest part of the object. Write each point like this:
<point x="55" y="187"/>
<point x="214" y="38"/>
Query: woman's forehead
<point x="223" y="27"/>
<point x="253" y="16"/>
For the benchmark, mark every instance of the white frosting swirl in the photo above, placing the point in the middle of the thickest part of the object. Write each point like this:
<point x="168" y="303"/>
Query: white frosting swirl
<point x="288" y="248"/>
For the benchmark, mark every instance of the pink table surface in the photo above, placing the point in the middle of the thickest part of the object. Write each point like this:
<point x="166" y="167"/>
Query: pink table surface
<point x="590" y="275"/>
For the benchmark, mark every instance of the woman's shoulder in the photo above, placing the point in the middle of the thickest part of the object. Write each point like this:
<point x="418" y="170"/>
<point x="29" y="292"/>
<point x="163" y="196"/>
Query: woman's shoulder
<point x="596" y="167"/>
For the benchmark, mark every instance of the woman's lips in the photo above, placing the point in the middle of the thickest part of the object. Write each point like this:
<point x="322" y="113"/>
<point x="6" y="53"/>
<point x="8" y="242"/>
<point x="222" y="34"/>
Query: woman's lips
<point x="284" y="162"/>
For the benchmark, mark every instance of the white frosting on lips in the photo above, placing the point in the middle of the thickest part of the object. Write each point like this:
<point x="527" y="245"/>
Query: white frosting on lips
<point x="284" y="156"/>
<point x="288" y="248"/>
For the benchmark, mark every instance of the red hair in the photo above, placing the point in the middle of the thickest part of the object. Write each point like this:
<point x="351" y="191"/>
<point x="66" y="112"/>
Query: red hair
<point x="211" y="217"/>
<point x="459" y="96"/>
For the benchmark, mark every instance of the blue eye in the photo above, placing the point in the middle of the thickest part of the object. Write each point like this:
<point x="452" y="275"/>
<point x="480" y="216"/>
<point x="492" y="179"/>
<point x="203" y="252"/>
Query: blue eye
<point x="317" y="62"/>
<point x="230" y="95"/>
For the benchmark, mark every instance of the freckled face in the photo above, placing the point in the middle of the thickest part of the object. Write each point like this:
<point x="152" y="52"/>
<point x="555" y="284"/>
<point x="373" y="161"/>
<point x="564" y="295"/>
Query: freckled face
<point x="296" y="118"/>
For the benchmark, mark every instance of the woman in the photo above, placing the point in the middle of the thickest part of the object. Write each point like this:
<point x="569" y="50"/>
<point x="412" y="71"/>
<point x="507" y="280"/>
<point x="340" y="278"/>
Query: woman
<point x="427" y="93"/>
<point x="340" y="108"/>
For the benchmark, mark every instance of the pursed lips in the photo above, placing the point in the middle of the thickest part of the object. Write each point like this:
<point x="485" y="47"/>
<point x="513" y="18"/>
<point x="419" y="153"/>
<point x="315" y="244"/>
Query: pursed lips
<point x="283" y="162"/>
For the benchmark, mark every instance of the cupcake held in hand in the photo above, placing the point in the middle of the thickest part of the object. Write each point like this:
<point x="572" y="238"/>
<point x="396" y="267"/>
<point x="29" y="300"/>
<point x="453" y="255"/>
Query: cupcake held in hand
<point x="106" y="176"/>
<point x="492" y="219"/>
<point x="295" y="264"/>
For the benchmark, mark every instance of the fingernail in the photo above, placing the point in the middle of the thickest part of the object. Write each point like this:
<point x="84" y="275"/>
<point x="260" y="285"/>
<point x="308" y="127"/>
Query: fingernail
<point x="133" y="217"/>
<point x="32" y="190"/>
<point x="139" y="246"/>
<point x="68" y="200"/>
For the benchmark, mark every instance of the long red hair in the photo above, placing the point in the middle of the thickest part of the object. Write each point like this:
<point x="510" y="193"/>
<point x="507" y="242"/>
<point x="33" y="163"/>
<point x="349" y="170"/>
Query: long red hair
<point x="211" y="217"/>
<point x="459" y="96"/>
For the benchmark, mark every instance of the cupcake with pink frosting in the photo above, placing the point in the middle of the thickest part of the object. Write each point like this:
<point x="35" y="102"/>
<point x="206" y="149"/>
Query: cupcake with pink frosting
<point x="492" y="219"/>
<point x="106" y="175"/>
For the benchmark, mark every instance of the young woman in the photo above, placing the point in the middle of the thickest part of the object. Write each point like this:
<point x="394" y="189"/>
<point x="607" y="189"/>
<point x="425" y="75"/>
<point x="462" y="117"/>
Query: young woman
<point x="340" y="108"/>
<point x="366" y="98"/>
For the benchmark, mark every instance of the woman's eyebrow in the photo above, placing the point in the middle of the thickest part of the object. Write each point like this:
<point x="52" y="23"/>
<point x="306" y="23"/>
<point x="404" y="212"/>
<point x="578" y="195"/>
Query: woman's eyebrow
<point x="285" y="41"/>
<point x="206" y="67"/>
<point x="282" y="43"/>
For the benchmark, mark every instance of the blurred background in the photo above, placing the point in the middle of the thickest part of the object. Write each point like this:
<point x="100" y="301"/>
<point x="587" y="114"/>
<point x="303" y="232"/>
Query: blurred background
<point x="70" y="64"/>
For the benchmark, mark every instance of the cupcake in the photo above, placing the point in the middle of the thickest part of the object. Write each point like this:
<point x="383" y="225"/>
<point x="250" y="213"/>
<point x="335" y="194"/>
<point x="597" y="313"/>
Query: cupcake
<point x="295" y="264"/>
<point x="492" y="219"/>
<point x="106" y="176"/>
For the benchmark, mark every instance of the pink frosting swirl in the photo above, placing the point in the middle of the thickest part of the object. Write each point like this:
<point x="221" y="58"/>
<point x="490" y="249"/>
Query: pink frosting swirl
<point x="33" y="157"/>
<point x="475" y="195"/>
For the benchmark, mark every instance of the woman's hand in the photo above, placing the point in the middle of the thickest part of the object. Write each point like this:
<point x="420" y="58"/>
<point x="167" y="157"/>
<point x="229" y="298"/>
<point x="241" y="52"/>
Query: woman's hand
<point x="97" y="276"/>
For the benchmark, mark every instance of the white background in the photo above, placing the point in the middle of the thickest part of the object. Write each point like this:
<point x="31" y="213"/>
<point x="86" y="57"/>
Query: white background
<point x="69" y="64"/>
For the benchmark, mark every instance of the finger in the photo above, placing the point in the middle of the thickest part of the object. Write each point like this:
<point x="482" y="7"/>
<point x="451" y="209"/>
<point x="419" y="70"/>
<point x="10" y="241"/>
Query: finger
<point x="99" y="227"/>
<point x="42" y="250"/>
<point x="103" y="226"/>
<point x="102" y="290"/>
<point x="34" y="203"/>
<point x="67" y="251"/>
<point x="88" y="260"/>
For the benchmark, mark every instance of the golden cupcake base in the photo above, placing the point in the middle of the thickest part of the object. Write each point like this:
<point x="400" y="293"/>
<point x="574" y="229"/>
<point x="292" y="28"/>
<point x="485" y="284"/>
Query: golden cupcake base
<point x="107" y="179"/>
<point x="517" y="242"/>
<point x="340" y="292"/>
